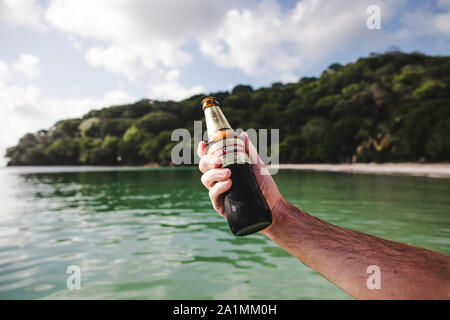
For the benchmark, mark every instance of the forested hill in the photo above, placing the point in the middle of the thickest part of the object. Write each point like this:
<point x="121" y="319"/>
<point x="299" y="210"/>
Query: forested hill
<point x="387" y="107"/>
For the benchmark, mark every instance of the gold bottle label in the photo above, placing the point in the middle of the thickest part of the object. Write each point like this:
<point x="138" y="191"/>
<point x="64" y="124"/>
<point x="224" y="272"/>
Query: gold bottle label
<point x="230" y="150"/>
<point x="215" y="120"/>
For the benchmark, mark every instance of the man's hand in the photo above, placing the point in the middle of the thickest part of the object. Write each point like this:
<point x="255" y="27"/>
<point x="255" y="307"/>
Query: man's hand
<point x="340" y="255"/>
<point x="218" y="180"/>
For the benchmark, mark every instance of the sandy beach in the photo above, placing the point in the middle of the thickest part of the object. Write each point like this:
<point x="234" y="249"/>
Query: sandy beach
<point x="441" y="170"/>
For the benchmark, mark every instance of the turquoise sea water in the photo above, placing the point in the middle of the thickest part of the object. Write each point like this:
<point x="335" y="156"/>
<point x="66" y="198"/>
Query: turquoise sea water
<point x="152" y="234"/>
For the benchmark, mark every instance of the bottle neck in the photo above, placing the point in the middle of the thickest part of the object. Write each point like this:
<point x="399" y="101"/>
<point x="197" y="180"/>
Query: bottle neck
<point x="216" y="122"/>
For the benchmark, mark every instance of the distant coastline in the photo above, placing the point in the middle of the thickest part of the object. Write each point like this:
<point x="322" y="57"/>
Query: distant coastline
<point x="435" y="170"/>
<point x="390" y="107"/>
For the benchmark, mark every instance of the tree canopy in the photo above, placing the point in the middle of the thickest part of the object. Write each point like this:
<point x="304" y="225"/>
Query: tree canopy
<point x="386" y="107"/>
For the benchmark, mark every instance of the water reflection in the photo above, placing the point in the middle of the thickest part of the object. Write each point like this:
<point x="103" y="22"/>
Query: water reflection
<point x="151" y="233"/>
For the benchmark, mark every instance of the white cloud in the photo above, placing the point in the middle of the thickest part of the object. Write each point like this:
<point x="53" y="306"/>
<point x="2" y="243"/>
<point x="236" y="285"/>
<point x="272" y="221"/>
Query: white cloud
<point x="4" y="72"/>
<point x="75" y="43"/>
<point x="28" y="65"/>
<point x="139" y="38"/>
<point x="249" y="40"/>
<point x="173" y="91"/>
<point x="123" y="21"/>
<point x="115" y="59"/>
<point x="166" y="87"/>
<point x="445" y="4"/>
<point x="136" y="36"/>
<point x="441" y="23"/>
<point x="271" y="41"/>
<point x="22" y="13"/>
<point x="24" y="109"/>
<point x="262" y="38"/>
<point x="422" y="21"/>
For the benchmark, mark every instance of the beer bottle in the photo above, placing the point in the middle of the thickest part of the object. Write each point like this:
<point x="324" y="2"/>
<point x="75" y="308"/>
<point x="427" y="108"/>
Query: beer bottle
<point x="246" y="208"/>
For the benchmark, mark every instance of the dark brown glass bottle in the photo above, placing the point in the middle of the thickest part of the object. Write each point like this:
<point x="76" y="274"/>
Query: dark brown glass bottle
<point x="246" y="208"/>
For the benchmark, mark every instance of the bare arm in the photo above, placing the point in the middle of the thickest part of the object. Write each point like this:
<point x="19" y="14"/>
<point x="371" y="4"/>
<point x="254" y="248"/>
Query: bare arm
<point x="343" y="256"/>
<point x="340" y="255"/>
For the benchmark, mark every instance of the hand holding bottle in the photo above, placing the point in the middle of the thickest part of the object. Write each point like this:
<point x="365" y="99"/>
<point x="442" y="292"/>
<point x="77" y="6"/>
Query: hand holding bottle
<point x="218" y="180"/>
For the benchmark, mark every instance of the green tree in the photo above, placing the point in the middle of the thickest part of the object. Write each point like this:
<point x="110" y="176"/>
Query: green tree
<point x="130" y="145"/>
<point x="90" y="151"/>
<point x="157" y="121"/>
<point x="63" y="151"/>
<point x="110" y="150"/>
<point x="150" y="148"/>
<point x="385" y="107"/>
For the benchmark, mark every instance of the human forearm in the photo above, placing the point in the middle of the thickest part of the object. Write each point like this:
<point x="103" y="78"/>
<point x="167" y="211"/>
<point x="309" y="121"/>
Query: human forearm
<point x="342" y="256"/>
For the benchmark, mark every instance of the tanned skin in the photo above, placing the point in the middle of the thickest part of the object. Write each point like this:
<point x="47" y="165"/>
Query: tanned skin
<point x="341" y="255"/>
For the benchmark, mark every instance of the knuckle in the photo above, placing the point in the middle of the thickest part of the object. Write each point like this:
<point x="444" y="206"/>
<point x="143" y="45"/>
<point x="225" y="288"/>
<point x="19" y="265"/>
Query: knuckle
<point x="203" y="165"/>
<point x="218" y="174"/>
<point x="212" y="193"/>
<point x="200" y="148"/>
<point x="203" y="179"/>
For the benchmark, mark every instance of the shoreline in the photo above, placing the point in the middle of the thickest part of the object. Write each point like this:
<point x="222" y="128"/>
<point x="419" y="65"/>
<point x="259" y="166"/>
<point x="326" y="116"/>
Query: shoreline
<point x="434" y="170"/>
<point x="438" y="170"/>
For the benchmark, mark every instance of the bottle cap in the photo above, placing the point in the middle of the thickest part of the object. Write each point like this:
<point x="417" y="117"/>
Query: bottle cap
<point x="208" y="102"/>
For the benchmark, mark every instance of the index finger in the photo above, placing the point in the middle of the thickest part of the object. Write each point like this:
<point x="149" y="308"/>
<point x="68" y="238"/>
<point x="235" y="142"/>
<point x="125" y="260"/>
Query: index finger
<point x="201" y="149"/>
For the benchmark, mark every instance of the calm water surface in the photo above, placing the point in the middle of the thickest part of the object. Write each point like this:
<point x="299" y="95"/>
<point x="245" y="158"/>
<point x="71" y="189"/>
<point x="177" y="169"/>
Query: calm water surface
<point x="151" y="233"/>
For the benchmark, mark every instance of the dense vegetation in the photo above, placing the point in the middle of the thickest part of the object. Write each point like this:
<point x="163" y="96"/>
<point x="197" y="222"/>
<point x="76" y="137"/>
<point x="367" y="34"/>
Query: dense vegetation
<point x="387" y="107"/>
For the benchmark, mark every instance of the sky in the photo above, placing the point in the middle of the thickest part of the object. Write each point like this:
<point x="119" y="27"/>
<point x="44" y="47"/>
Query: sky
<point x="61" y="58"/>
